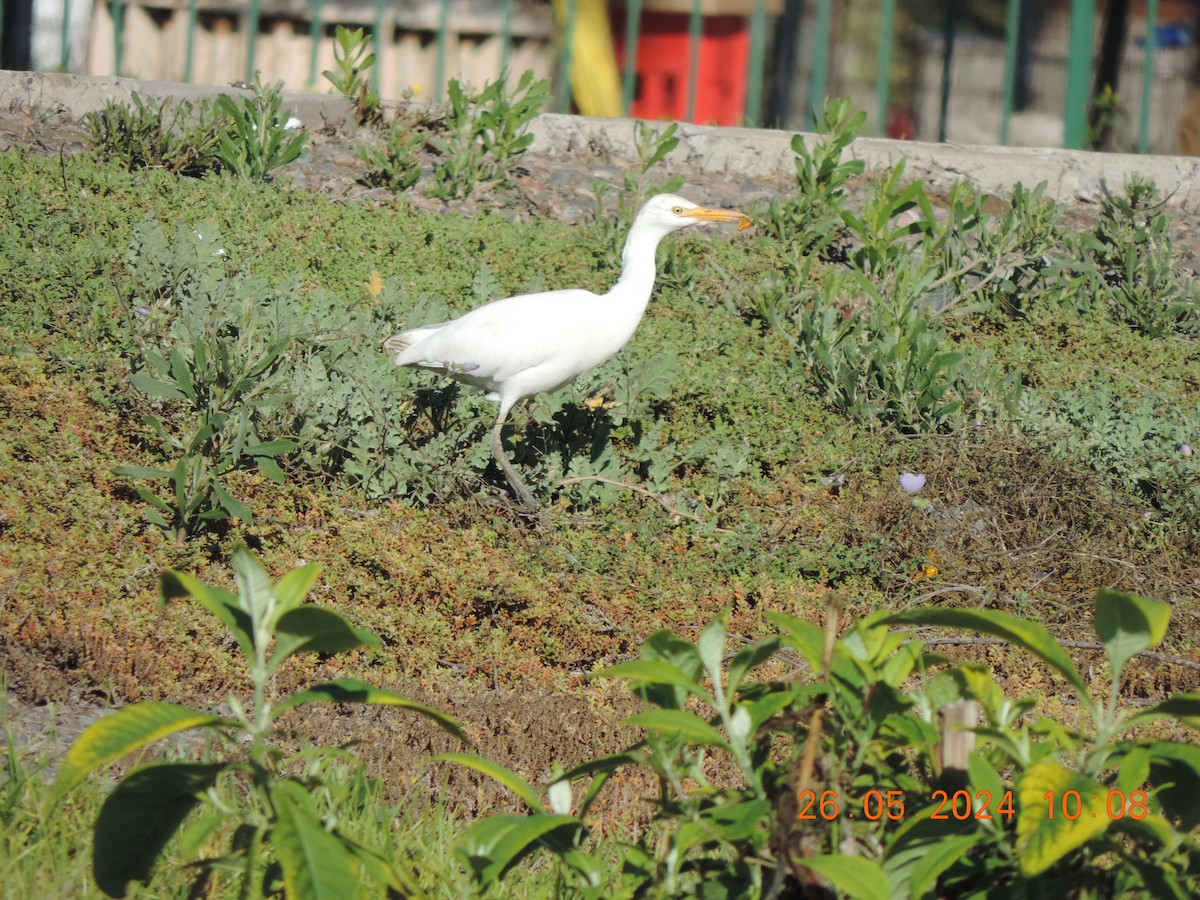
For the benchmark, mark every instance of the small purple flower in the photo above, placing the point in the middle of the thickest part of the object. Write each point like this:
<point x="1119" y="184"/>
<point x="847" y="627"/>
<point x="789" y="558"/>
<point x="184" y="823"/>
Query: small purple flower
<point x="142" y="311"/>
<point x="470" y="367"/>
<point x="912" y="482"/>
<point x="1185" y="450"/>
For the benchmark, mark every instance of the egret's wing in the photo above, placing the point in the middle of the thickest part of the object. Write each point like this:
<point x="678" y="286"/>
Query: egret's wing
<point x="496" y="341"/>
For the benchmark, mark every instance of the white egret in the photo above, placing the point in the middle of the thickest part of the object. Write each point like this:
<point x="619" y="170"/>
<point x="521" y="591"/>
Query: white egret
<point x="537" y="343"/>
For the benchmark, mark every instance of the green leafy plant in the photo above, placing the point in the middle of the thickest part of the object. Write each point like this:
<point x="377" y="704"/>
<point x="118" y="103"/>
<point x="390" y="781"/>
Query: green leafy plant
<point x="211" y="353"/>
<point x="1096" y="807"/>
<point x="878" y="354"/>
<point x="353" y="56"/>
<point x="280" y="843"/>
<point x="842" y="778"/>
<point x="1135" y="445"/>
<point x="811" y="220"/>
<point x="484" y="134"/>
<point x="1020" y="250"/>
<point x="256" y="141"/>
<point x="1130" y="265"/>
<point x="179" y="137"/>
<point x="651" y="145"/>
<point x="394" y="165"/>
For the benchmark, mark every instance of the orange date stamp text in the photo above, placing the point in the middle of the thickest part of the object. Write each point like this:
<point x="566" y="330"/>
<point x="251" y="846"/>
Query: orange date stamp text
<point x="963" y="805"/>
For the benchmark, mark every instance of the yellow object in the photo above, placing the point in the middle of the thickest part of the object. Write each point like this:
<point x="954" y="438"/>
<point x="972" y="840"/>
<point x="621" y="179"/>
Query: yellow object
<point x="595" y="80"/>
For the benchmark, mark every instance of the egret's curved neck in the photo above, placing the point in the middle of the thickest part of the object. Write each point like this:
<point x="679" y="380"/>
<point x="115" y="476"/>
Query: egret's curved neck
<point x="637" y="266"/>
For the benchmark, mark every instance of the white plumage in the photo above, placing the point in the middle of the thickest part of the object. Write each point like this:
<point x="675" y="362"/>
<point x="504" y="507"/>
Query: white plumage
<point x="536" y="343"/>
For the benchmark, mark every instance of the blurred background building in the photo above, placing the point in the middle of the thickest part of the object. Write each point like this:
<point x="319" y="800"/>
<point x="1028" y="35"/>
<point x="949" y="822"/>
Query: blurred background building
<point x="1112" y="74"/>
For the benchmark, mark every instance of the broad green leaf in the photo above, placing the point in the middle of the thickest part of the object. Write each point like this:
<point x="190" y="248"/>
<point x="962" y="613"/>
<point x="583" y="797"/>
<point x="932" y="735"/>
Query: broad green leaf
<point x="806" y="637"/>
<point x="665" y="646"/>
<point x="711" y="647"/>
<point x="315" y="863"/>
<point x="154" y="500"/>
<point x="182" y="374"/>
<point x="749" y="658"/>
<point x="1044" y="833"/>
<point x="940" y="856"/>
<point x="493" y="845"/>
<point x="1029" y="635"/>
<point x="917" y="837"/>
<point x="677" y="723"/>
<point x="154" y="387"/>
<point x="559" y="795"/>
<point x="1175" y="776"/>
<point x="256" y="594"/>
<point x="140" y="816"/>
<point x="494" y="770"/>
<point x="856" y="877"/>
<point x="655" y="671"/>
<point x="736" y="821"/>
<point x="1128" y="624"/>
<point x="221" y="603"/>
<point x="154" y="517"/>
<point x="984" y="777"/>
<point x="270" y="448"/>
<point x="123" y="732"/>
<point x="688" y="835"/>
<point x="740" y="727"/>
<point x="291" y="588"/>
<point x="231" y="504"/>
<point x="351" y="690"/>
<point x="604" y="765"/>
<point x="1133" y="769"/>
<point x="140" y="472"/>
<point x="1183" y="707"/>
<point x="313" y="629"/>
<point x="763" y="708"/>
<point x="270" y="468"/>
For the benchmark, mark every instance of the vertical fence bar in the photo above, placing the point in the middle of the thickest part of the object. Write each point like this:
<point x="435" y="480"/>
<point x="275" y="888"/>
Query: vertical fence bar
<point x="316" y="30"/>
<point x="948" y="27"/>
<point x="1143" y="141"/>
<point x="758" y="60"/>
<point x="439" y="66"/>
<point x="563" y="103"/>
<point x="1080" y="42"/>
<point x="64" y="47"/>
<point x="505" y="34"/>
<point x="189" y="42"/>
<point x="253" y="17"/>
<point x="1012" y="36"/>
<point x="883" y="79"/>
<point x="118" y="17"/>
<point x="695" y="32"/>
<point x="820" y="60"/>
<point x="633" y="27"/>
<point x="377" y="44"/>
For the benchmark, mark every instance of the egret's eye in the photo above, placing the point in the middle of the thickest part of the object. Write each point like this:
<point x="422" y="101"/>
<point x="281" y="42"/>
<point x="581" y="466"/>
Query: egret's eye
<point x="678" y="210"/>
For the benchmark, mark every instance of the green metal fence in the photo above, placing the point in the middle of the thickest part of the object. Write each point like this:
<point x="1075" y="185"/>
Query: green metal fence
<point x="1079" y="69"/>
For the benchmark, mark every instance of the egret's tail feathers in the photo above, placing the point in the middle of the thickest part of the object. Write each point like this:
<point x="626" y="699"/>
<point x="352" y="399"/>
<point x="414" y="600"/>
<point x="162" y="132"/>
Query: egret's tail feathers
<point x="405" y="339"/>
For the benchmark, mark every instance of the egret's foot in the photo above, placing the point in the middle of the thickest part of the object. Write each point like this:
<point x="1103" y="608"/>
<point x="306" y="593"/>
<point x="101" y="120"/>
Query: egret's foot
<point x="522" y="493"/>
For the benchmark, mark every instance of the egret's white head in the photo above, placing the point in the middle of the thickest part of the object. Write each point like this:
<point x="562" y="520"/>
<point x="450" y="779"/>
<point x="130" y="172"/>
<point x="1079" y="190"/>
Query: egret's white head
<point x="668" y="212"/>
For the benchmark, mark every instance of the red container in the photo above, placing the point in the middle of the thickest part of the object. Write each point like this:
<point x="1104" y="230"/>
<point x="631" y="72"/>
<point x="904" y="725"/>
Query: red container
<point x="664" y="60"/>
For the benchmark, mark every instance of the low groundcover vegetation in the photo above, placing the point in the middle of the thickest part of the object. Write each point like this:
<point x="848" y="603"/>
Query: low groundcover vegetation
<point x="736" y="655"/>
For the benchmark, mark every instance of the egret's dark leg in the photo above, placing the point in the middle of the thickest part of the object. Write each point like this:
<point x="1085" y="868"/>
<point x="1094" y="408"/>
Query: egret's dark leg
<point x="514" y="480"/>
